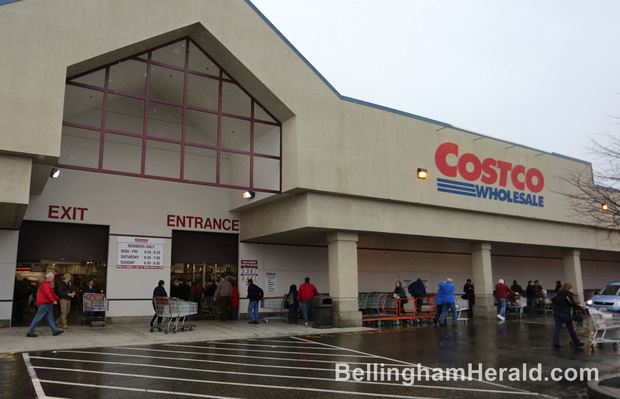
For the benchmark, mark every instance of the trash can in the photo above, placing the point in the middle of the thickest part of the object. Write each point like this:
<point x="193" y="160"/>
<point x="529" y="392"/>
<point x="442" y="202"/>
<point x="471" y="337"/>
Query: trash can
<point x="322" y="307"/>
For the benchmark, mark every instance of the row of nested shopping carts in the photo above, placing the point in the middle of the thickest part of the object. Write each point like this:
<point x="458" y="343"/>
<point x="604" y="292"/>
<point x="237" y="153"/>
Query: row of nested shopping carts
<point x="172" y="313"/>
<point x="381" y="308"/>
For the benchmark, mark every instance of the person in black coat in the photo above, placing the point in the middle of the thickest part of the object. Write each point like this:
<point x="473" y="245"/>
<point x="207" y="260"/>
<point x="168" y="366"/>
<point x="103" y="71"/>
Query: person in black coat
<point x="159" y="291"/>
<point x="399" y="293"/>
<point x="468" y="290"/>
<point x="90" y="288"/>
<point x="293" y="305"/>
<point x="563" y="302"/>
<point x="530" y="292"/>
<point x="255" y="294"/>
<point x="417" y="291"/>
<point x="516" y="287"/>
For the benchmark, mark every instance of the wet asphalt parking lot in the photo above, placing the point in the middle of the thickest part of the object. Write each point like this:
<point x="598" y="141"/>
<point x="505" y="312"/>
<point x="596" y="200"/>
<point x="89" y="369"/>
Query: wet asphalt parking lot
<point x="305" y="366"/>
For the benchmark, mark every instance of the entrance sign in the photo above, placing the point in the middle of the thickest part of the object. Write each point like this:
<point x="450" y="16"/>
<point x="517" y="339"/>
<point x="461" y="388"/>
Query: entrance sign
<point x="140" y="253"/>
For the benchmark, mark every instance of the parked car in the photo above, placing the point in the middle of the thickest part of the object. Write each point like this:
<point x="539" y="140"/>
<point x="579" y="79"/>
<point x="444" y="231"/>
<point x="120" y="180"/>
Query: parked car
<point x="607" y="298"/>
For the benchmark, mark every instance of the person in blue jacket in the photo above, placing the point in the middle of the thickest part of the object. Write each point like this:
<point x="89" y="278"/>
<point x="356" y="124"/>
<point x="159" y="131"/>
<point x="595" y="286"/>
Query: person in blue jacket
<point x="439" y="305"/>
<point x="417" y="291"/>
<point x="447" y="301"/>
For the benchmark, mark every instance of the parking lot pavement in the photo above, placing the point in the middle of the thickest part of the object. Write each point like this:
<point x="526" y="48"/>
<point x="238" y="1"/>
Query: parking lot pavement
<point x="307" y="365"/>
<point x="261" y="368"/>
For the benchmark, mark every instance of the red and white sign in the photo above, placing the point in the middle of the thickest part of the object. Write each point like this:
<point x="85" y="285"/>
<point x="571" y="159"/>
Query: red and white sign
<point x="140" y="253"/>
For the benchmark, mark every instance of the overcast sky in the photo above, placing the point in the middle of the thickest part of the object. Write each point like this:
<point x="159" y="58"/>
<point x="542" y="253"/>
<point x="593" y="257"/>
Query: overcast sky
<point x="542" y="73"/>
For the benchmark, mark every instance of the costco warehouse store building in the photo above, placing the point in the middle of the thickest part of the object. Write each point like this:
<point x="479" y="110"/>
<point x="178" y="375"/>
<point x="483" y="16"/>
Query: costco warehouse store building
<point x="160" y="118"/>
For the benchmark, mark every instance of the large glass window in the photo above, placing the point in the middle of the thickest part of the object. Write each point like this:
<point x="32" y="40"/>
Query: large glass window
<point x="170" y="113"/>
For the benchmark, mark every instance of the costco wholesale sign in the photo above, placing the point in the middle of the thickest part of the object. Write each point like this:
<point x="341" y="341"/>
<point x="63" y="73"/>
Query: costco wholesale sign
<point x="140" y="253"/>
<point x="516" y="178"/>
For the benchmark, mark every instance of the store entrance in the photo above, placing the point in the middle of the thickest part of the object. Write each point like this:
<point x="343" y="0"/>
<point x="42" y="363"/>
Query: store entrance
<point x="198" y="259"/>
<point x="61" y="248"/>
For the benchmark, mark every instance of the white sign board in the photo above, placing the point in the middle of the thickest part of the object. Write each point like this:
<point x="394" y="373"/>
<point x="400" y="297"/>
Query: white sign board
<point x="271" y="280"/>
<point x="140" y="253"/>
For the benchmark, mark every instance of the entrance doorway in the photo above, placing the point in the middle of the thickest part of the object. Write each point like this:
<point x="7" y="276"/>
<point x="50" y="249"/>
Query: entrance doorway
<point x="198" y="259"/>
<point x="77" y="249"/>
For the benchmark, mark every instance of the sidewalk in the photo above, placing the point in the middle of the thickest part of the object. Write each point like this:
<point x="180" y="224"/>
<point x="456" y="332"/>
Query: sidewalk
<point x="13" y="339"/>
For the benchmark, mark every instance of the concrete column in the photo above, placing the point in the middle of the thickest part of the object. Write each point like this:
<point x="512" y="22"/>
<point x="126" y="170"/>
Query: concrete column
<point x="483" y="279"/>
<point x="572" y="271"/>
<point x="342" y="254"/>
<point x="8" y="260"/>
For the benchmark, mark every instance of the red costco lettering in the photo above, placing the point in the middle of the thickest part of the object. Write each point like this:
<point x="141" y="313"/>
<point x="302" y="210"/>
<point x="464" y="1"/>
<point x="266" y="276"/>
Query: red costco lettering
<point x="470" y="168"/>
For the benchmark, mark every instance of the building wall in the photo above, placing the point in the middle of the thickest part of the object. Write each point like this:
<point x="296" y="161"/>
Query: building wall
<point x="331" y="145"/>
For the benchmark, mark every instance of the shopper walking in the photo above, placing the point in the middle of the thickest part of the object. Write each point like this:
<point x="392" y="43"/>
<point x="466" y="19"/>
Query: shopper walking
<point x="530" y="293"/>
<point x="501" y="294"/>
<point x="417" y="291"/>
<point x="400" y="295"/>
<point x="447" y="300"/>
<point x="66" y="294"/>
<point x="222" y="295"/>
<point x="516" y="287"/>
<point x="293" y="305"/>
<point x="438" y="305"/>
<point x="255" y="294"/>
<point x="306" y="292"/>
<point x="234" y="303"/>
<point x="159" y="291"/>
<point x="562" y="303"/>
<point x="469" y="294"/>
<point x="46" y="299"/>
<point x="91" y="288"/>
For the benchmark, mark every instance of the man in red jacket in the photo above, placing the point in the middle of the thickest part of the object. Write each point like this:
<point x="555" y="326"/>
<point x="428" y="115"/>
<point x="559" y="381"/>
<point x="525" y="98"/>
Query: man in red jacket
<point x="46" y="299"/>
<point x="501" y="294"/>
<point x="306" y="292"/>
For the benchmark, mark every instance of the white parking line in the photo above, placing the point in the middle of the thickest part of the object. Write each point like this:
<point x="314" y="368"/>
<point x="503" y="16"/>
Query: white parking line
<point x="33" y="376"/>
<point x="245" y="384"/>
<point x="193" y="395"/>
<point x="263" y="350"/>
<point x="185" y="360"/>
<point x="272" y="346"/>
<point x="243" y="356"/>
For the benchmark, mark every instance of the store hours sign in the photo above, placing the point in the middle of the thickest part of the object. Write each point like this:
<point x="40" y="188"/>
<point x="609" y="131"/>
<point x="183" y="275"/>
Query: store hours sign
<point x="140" y="253"/>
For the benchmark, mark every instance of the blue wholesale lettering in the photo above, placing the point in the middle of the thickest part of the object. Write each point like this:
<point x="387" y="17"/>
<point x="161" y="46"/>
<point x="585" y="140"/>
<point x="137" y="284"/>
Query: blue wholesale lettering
<point x="500" y="194"/>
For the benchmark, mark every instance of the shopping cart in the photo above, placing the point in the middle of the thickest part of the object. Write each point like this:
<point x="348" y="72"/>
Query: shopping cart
<point x="462" y="305"/>
<point x="601" y="322"/>
<point x="92" y="303"/>
<point x="516" y="304"/>
<point x="210" y="308"/>
<point x="173" y="312"/>
<point x="184" y="309"/>
<point x="275" y="305"/>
